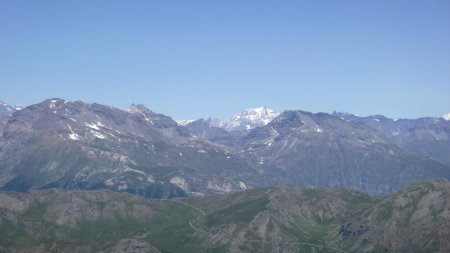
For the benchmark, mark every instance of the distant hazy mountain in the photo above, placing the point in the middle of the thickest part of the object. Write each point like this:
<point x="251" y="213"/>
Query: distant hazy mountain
<point x="249" y="119"/>
<point x="208" y="129"/>
<point x="7" y="110"/>
<point x="423" y="136"/>
<point x="183" y="122"/>
<point x="279" y="219"/>
<point x="320" y="150"/>
<point x="245" y="120"/>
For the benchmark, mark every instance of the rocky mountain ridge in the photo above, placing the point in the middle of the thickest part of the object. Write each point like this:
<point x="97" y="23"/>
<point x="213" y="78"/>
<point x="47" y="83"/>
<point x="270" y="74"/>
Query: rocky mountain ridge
<point x="64" y="144"/>
<point x="321" y="150"/>
<point x="423" y="136"/>
<point x="7" y="110"/>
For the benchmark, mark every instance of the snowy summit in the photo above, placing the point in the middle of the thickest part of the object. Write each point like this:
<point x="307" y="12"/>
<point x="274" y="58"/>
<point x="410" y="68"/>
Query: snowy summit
<point x="446" y="116"/>
<point x="184" y="122"/>
<point x="249" y="119"/>
<point x="7" y="110"/>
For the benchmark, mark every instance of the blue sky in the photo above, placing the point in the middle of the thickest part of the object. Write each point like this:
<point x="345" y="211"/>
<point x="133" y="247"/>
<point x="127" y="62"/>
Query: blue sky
<point x="192" y="59"/>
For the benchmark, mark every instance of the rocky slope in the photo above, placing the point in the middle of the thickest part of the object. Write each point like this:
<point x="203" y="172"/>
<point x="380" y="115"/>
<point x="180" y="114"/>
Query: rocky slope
<point x="280" y="219"/>
<point x="415" y="219"/>
<point x="64" y="144"/>
<point x="320" y="150"/>
<point x="423" y="136"/>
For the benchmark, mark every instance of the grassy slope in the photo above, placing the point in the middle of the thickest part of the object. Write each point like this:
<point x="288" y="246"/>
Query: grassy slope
<point x="269" y="220"/>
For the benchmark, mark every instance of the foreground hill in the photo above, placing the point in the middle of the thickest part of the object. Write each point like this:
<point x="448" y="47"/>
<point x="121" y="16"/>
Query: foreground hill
<point x="281" y="219"/>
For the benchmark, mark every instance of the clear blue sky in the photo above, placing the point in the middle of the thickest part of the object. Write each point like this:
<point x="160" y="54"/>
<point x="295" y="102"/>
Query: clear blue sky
<point x="192" y="59"/>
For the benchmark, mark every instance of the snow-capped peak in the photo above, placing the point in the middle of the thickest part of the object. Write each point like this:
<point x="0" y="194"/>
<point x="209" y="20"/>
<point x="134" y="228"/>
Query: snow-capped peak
<point x="446" y="116"/>
<point x="184" y="122"/>
<point x="249" y="119"/>
<point x="138" y="109"/>
<point x="7" y="110"/>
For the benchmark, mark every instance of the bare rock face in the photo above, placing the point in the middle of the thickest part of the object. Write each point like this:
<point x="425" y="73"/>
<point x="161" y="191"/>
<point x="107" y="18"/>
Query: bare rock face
<point x="131" y="245"/>
<point x="414" y="218"/>
<point x="423" y="136"/>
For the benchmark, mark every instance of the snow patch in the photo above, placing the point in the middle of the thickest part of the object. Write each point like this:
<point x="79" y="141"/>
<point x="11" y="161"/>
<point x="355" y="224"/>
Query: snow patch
<point x="93" y="126"/>
<point x="73" y="135"/>
<point x="98" y="135"/>
<point x="243" y="186"/>
<point x="446" y="116"/>
<point x="184" y="122"/>
<point x="53" y="104"/>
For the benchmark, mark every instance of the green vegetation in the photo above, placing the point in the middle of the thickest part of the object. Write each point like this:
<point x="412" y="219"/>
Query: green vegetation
<point x="239" y="213"/>
<point x="260" y="220"/>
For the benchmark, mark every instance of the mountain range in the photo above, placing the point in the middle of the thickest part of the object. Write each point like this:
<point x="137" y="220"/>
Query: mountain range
<point x="424" y="136"/>
<point x="64" y="144"/>
<point x="246" y="120"/>
<point x="76" y="145"/>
